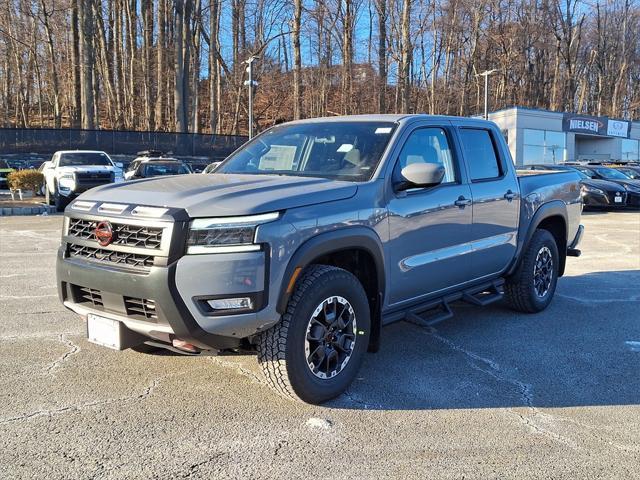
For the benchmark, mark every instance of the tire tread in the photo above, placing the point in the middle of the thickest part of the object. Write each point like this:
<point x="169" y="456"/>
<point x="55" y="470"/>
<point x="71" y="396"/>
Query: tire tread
<point x="272" y="342"/>
<point x="517" y="287"/>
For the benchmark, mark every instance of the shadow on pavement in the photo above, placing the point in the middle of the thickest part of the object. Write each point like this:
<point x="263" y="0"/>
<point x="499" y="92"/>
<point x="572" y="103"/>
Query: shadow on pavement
<point x="584" y="350"/>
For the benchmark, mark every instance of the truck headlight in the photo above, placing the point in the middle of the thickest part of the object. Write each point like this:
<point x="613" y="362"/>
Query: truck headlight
<point x="67" y="182"/>
<point x="226" y="234"/>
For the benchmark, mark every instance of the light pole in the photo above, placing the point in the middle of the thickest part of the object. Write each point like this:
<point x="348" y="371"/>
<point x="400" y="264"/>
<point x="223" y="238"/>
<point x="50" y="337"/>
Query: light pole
<point x="486" y="74"/>
<point x="250" y="83"/>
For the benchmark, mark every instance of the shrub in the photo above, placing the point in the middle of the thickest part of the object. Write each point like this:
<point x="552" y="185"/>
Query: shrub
<point x="26" y="180"/>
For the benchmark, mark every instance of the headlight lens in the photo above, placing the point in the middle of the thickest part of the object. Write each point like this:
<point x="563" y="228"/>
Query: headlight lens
<point x="226" y="234"/>
<point x="67" y="181"/>
<point x="632" y="188"/>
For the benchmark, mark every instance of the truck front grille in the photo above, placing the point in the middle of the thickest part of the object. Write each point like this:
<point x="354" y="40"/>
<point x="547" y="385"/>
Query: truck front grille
<point x="123" y="234"/>
<point x="110" y="256"/>
<point x="141" y="306"/>
<point x="93" y="178"/>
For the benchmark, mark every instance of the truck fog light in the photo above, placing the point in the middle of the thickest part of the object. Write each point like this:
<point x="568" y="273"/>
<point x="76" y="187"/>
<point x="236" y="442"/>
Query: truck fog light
<point x="242" y="303"/>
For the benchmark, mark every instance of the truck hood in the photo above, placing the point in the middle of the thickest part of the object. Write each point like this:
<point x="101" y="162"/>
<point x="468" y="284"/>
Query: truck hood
<point x="214" y="195"/>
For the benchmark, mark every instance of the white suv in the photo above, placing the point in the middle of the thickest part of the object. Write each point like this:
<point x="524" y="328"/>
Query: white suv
<point x="71" y="172"/>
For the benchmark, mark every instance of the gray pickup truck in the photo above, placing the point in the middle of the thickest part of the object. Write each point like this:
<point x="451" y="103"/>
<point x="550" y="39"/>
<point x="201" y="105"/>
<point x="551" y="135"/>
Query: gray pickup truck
<point x="311" y="237"/>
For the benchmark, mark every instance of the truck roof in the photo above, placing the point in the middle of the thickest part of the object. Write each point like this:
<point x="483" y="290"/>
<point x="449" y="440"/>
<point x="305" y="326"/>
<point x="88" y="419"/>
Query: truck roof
<point x="391" y="117"/>
<point x="81" y="151"/>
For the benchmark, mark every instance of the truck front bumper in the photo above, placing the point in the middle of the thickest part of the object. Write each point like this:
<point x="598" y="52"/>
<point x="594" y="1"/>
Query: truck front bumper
<point x="168" y="303"/>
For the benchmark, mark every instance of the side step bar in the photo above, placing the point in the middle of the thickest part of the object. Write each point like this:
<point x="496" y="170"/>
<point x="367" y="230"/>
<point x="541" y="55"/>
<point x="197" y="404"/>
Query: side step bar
<point x="434" y="312"/>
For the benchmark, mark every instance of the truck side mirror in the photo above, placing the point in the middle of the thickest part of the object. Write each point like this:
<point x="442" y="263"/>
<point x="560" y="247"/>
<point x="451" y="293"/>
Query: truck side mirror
<point x="420" y="175"/>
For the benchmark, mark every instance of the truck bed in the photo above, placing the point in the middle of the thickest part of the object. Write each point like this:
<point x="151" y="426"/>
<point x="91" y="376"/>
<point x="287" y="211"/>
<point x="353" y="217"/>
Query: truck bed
<point x="539" y="187"/>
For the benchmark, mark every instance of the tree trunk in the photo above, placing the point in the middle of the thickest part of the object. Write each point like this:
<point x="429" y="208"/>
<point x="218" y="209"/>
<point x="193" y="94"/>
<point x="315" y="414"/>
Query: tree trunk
<point x="381" y="6"/>
<point x="214" y="67"/>
<point x="87" y="64"/>
<point x="147" y="62"/>
<point x="162" y="69"/>
<point x="75" y="68"/>
<point x="181" y="89"/>
<point x="297" y="60"/>
<point x="57" y="114"/>
<point x="347" y="57"/>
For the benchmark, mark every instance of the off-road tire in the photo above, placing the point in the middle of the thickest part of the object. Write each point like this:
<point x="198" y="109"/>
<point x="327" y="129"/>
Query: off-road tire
<point x="281" y="351"/>
<point x="520" y="292"/>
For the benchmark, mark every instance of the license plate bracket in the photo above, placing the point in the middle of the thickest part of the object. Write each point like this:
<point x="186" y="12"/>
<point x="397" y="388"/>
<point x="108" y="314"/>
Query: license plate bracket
<point x="105" y="332"/>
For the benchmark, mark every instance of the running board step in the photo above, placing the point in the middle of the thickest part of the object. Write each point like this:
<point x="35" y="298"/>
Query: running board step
<point x="439" y="310"/>
<point x="431" y="314"/>
<point x="486" y="296"/>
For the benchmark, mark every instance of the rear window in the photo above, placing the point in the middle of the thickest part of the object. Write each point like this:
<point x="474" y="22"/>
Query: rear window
<point x="159" y="169"/>
<point x="480" y="153"/>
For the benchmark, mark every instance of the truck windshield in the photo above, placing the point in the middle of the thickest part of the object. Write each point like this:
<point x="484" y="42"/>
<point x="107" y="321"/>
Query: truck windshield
<point x="335" y="150"/>
<point x="84" y="158"/>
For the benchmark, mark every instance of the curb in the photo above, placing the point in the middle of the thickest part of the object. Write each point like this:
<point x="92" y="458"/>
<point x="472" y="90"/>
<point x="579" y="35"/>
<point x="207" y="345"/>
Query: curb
<point x="38" y="210"/>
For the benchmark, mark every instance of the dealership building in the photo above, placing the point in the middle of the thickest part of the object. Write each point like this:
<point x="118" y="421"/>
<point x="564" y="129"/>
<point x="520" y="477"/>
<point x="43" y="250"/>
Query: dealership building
<point x="541" y="136"/>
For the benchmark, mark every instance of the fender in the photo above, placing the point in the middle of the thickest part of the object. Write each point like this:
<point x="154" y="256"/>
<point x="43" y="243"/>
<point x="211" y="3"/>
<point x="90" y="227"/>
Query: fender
<point x="329" y="242"/>
<point x="526" y="230"/>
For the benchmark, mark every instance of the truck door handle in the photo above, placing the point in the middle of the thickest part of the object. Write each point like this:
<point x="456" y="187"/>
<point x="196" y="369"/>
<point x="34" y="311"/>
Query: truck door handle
<point x="509" y="195"/>
<point x="462" y="202"/>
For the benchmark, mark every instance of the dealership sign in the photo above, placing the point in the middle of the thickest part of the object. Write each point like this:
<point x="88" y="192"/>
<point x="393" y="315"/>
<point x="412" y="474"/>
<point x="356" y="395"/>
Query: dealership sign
<point x="572" y="122"/>
<point x="618" y="128"/>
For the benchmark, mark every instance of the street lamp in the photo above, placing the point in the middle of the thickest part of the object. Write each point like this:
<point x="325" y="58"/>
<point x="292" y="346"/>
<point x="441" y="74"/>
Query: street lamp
<point x="486" y="74"/>
<point x="251" y="83"/>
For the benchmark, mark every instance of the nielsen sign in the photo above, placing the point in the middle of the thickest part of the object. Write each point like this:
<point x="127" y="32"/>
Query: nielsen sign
<point x="572" y="122"/>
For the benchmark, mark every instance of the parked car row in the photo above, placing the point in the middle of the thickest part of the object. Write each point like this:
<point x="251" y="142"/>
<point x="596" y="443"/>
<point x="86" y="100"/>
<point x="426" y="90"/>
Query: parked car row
<point x="603" y="186"/>
<point x="71" y="172"/>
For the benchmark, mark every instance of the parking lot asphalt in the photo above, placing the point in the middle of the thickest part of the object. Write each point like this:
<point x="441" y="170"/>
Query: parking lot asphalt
<point x="487" y="394"/>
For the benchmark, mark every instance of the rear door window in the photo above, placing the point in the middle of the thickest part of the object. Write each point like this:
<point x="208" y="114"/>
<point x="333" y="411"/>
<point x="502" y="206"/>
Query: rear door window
<point x="480" y="154"/>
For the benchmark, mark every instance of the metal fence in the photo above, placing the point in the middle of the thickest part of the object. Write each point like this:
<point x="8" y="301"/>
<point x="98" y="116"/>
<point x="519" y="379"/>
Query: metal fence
<point x="49" y="140"/>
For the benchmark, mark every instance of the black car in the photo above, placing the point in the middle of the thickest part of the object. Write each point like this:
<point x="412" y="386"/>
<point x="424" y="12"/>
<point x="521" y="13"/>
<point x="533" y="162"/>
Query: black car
<point x="631" y="186"/>
<point x="159" y="168"/>
<point x="631" y="171"/>
<point x="595" y="193"/>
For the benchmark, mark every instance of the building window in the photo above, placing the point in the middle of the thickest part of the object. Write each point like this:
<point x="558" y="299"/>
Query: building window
<point x="630" y="150"/>
<point x="544" y="146"/>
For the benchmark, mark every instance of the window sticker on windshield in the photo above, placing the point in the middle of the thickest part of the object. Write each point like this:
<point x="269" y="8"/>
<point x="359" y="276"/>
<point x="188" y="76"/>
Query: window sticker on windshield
<point x="279" y="157"/>
<point x="382" y="130"/>
<point x="345" y="147"/>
